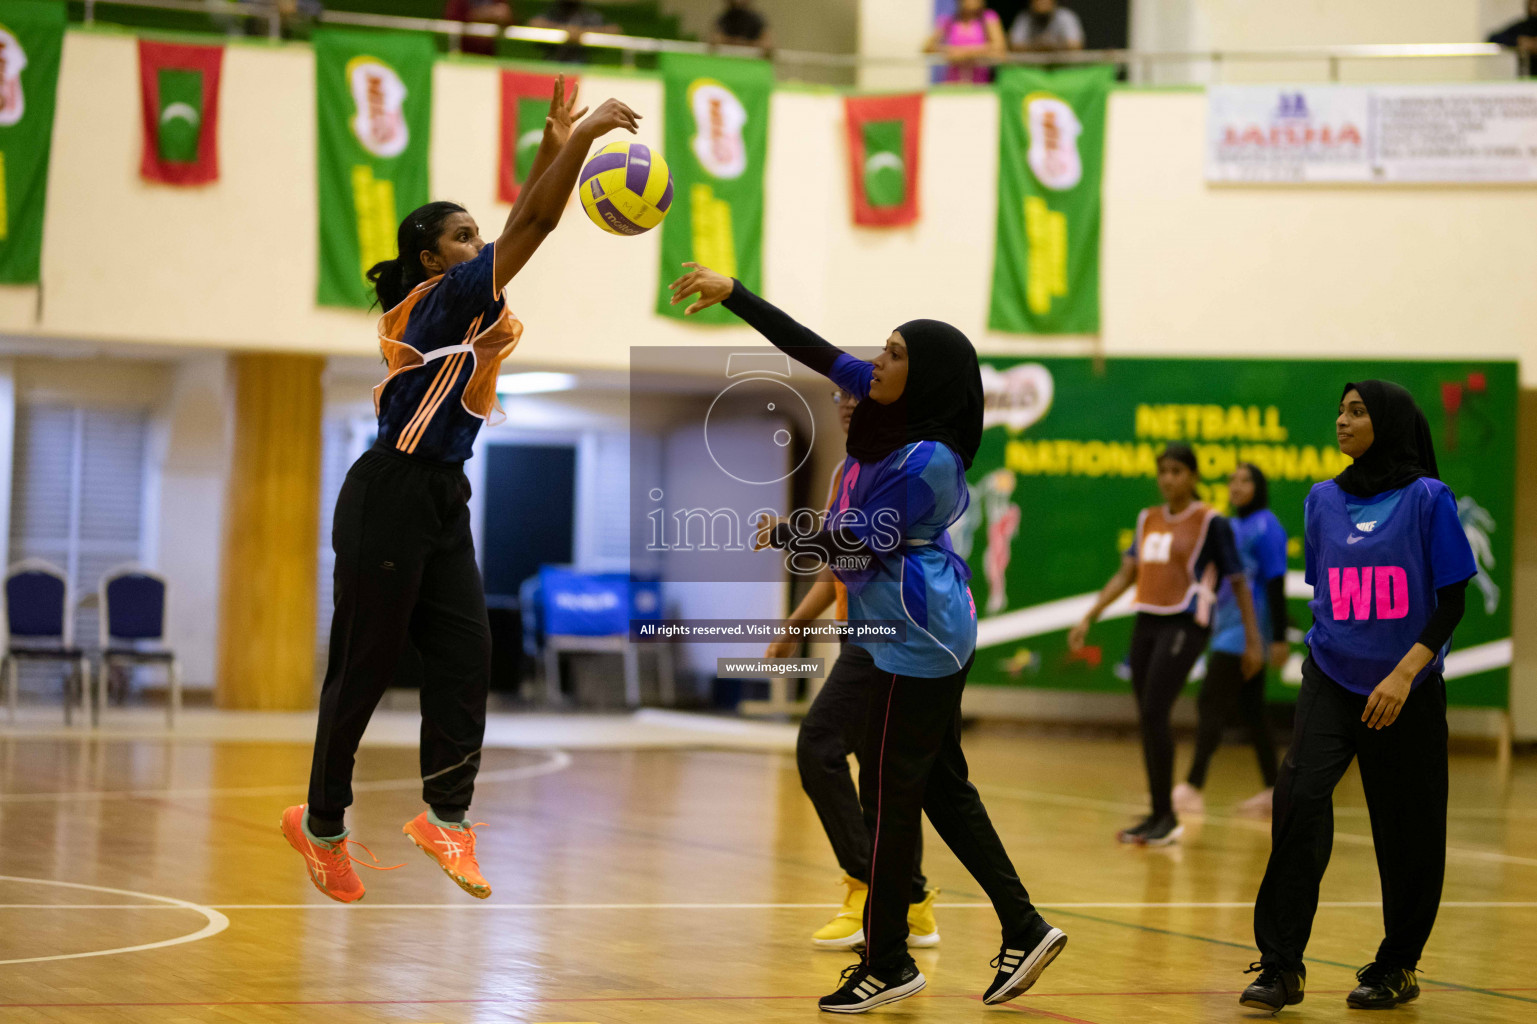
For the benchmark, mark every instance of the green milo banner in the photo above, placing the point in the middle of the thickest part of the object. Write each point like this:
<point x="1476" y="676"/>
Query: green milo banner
<point x="716" y="112"/>
<point x="1068" y="459"/>
<point x="373" y="94"/>
<point x="1051" y="146"/>
<point x="31" y="44"/>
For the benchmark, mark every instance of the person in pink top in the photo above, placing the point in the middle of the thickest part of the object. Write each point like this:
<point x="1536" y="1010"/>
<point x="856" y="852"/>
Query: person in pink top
<point x="972" y="39"/>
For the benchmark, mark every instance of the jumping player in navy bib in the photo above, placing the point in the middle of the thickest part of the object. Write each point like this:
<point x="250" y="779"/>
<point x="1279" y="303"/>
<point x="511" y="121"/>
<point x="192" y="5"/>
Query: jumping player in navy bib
<point x="405" y="558"/>
<point x="911" y="439"/>
<point x="1389" y="565"/>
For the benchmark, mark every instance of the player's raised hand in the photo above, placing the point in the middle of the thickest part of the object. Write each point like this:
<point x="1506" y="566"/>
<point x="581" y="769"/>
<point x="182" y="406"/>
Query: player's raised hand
<point x="610" y="114"/>
<point x="710" y="287"/>
<point x="563" y="114"/>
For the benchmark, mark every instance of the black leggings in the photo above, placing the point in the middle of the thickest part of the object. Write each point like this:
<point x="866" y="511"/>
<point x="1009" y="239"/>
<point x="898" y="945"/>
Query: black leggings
<point x="911" y="764"/>
<point x="833" y="729"/>
<point x="1163" y="651"/>
<point x="1222" y="689"/>
<point x="405" y="572"/>
<point x="1404" y="774"/>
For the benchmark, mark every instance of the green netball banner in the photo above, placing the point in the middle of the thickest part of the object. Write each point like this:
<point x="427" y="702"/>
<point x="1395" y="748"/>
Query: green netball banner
<point x="716" y="112"/>
<point x="1051" y="143"/>
<point x="31" y="42"/>
<point x="373" y="96"/>
<point x="1067" y="461"/>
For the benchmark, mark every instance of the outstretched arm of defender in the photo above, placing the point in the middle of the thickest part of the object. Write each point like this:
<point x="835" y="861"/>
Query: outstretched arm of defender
<point x="545" y="199"/>
<point x="558" y="124"/>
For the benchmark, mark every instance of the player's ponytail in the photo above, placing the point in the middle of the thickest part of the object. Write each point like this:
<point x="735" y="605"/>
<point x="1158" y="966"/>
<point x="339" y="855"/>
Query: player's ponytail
<point x="392" y="280"/>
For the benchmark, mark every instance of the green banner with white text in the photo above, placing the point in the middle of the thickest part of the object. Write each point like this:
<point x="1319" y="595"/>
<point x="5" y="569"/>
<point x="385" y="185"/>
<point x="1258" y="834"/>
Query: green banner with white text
<point x="373" y="95"/>
<point x="1068" y="459"/>
<point x="716" y="113"/>
<point x="31" y="43"/>
<point x="1051" y="146"/>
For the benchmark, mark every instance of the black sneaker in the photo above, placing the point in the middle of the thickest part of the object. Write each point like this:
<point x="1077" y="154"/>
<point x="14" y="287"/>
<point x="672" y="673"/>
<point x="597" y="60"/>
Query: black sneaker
<point x="1151" y="831"/>
<point x="1275" y="989"/>
<point x="1020" y="963"/>
<point x="1383" y="987"/>
<point x="864" y="989"/>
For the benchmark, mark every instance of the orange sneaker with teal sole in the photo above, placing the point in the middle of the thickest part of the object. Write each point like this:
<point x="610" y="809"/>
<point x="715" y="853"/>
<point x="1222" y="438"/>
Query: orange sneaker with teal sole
<point x="329" y="862"/>
<point x="452" y="848"/>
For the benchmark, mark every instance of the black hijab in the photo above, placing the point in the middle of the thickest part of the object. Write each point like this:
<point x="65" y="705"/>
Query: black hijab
<point x="1401" y="451"/>
<point x="942" y="400"/>
<point x="1261" y="499"/>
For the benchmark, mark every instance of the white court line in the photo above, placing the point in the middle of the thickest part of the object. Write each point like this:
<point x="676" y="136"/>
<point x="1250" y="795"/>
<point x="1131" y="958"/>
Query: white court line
<point x="483" y="907"/>
<point x="1246" y="824"/>
<point x="216" y="922"/>
<point x="558" y="761"/>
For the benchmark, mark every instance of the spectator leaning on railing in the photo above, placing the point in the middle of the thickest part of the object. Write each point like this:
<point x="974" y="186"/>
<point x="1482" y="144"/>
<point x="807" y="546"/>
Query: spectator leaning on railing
<point x="740" y="25"/>
<point x="482" y="12"/>
<point x="1521" y="36"/>
<point x="576" y="17"/>
<point x="1046" y="27"/>
<point x="971" y="39"/>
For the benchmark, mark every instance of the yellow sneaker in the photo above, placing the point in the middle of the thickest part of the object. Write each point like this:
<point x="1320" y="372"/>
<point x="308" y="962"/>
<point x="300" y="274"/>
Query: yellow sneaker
<point x="847" y="929"/>
<point x="922" y="929"/>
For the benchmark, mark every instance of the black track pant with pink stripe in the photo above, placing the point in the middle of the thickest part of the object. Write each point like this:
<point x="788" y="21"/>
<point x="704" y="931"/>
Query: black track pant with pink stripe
<point x="911" y="765"/>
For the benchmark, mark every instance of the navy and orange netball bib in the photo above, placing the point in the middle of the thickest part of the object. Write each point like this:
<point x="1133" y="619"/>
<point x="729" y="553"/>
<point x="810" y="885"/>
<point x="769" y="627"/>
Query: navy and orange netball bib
<point x="444" y="345"/>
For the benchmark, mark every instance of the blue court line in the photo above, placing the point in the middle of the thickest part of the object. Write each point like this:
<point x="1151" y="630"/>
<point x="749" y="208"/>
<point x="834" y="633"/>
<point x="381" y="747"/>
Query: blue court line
<point x="1309" y="959"/>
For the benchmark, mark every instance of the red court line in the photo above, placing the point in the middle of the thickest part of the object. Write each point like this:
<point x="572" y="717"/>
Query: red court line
<point x="513" y="1001"/>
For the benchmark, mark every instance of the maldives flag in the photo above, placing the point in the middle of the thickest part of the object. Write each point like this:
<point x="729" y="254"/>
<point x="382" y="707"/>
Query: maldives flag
<point x="179" y="90"/>
<point x="525" y="105"/>
<point x="883" y="136"/>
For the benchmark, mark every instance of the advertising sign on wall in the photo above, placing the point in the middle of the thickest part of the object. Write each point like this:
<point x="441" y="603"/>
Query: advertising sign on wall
<point x="1292" y="134"/>
<point x="1068" y="459"/>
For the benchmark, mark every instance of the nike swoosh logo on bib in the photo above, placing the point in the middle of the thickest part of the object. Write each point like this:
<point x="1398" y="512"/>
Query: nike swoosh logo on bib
<point x="1353" y="538"/>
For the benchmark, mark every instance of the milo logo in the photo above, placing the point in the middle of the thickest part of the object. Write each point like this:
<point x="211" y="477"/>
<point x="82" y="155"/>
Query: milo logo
<point x="1017" y="397"/>
<point x="1053" y="130"/>
<point x="12" y="60"/>
<point x="718" y="120"/>
<point x="379" y="96"/>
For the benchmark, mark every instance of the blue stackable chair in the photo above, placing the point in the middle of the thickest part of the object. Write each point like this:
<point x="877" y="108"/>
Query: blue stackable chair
<point x="133" y="627"/>
<point x="37" y="627"/>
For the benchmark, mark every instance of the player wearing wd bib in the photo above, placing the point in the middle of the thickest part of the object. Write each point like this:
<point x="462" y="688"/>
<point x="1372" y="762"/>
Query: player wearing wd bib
<point x="406" y="571"/>
<point x="1181" y="550"/>
<point x="1389" y="565"/>
<point x="911" y="439"/>
<point x="833" y="729"/>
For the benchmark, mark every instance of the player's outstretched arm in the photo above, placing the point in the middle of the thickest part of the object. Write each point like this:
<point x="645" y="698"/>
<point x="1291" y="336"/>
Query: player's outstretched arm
<point x="545" y="199"/>
<point x="794" y="339"/>
<point x="562" y="117"/>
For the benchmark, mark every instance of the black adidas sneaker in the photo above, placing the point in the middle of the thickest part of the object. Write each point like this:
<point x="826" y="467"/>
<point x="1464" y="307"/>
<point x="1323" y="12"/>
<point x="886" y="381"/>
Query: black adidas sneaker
<point x="1275" y="989"/>
<point x="864" y="989"/>
<point x="1383" y="987"/>
<point x="1021" y="961"/>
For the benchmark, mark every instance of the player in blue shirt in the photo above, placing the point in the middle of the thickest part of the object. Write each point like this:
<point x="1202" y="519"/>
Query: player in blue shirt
<point x="1261" y="542"/>
<point x="405" y="559"/>
<point x="1389" y="565"/>
<point x="911" y="439"/>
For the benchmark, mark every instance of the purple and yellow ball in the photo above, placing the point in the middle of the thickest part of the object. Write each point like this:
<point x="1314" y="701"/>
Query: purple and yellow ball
<point x="626" y="188"/>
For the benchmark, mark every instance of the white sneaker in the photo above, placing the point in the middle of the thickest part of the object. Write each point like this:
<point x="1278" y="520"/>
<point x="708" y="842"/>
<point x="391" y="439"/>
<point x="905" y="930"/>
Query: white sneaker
<point x="1259" y="805"/>
<point x="1188" y="800"/>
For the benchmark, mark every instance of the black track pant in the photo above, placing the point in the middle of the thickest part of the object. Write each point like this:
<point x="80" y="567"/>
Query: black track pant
<point x="1403" y="771"/>
<point x="1163" y="651"/>
<point x="1223" y="689"/>
<point x="405" y="572"/>
<point x="832" y="730"/>
<point x="911" y="764"/>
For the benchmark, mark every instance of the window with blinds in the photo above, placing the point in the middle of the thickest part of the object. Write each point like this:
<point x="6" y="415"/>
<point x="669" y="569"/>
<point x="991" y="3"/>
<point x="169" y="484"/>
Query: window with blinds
<point x="77" y="500"/>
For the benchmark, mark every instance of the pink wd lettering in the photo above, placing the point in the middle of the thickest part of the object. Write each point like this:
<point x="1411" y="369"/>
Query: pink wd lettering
<point x="1351" y="591"/>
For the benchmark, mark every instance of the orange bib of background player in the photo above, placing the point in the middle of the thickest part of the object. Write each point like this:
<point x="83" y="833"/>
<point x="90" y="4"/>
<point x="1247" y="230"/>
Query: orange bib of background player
<point x="1167" y="548"/>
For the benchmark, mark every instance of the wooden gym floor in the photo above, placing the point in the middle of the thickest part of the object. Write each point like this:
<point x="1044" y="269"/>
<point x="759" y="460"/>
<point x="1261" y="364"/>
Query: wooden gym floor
<point x="144" y="881"/>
